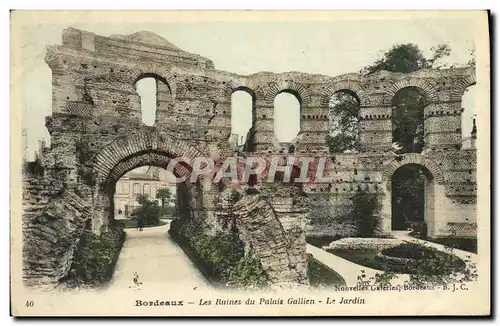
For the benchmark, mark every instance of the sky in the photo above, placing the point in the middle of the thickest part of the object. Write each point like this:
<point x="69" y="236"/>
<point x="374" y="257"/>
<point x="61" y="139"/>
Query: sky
<point x="324" y="47"/>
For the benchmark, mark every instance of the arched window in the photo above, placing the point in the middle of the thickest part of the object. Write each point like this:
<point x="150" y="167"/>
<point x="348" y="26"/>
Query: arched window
<point x="286" y="117"/>
<point x="241" y="116"/>
<point x="408" y="120"/>
<point x="343" y="122"/>
<point x="146" y="88"/>
<point x="468" y="116"/>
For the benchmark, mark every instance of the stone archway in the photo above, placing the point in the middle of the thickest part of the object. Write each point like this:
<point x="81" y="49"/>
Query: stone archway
<point x="144" y="148"/>
<point x="433" y="191"/>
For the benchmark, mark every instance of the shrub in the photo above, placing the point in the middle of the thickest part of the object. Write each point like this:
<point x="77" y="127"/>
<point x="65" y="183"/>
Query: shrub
<point x="221" y="256"/>
<point x="252" y="191"/>
<point x="410" y="250"/>
<point x="320" y="274"/>
<point x="467" y="244"/>
<point x="444" y="268"/>
<point x="95" y="256"/>
<point x="148" y="213"/>
<point x="426" y="262"/>
<point x="34" y="168"/>
<point x="235" y="196"/>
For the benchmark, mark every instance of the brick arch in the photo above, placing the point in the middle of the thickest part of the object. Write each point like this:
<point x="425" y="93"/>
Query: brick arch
<point x="414" y="158"/>
<point x="291" y="86"/>
<point x="426" y="87"/>
<point x="350" y="86"/>
<point x="123" y="149"/>
<point x="148" y="158"/>
<point x="462" y="84"/>
<point x="144" y="69"/>
<point x="241" y="83"/>
<point x="152" y="70"/>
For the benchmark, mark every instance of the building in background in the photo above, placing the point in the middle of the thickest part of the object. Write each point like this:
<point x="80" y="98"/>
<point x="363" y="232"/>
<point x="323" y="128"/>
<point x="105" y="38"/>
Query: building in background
<point x="140" y="181"/>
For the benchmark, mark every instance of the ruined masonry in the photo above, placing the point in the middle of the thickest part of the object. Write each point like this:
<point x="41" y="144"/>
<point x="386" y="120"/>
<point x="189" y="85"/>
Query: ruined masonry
<point x="97" y="135"/>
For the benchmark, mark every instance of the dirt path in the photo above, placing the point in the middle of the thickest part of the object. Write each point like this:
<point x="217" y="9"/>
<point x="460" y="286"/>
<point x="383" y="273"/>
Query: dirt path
<point x="158" y="261"/>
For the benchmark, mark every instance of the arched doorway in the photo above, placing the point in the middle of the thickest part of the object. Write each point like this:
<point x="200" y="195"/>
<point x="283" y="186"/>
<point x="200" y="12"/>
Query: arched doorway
<point x="412" y="198"/>
<point x="180" y="172"/>
<point x="399" y="208"/>
<point x="144" y="148"/>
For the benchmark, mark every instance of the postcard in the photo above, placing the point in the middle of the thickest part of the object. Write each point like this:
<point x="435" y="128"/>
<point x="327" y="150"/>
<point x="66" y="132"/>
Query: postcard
<point x="250" y="163"/>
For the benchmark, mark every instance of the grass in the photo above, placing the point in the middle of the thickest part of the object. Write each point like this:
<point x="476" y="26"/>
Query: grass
<point x="424" y="257"/>
<point x="321" y="240"/>
<point x="132" y="224"/>
<point x="466" y="244"/>
<point x="322" y="275"/>
<point x="367" y="258"/>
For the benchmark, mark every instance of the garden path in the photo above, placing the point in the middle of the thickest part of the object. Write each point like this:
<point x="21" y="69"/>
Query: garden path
<point x="158" y="260"/>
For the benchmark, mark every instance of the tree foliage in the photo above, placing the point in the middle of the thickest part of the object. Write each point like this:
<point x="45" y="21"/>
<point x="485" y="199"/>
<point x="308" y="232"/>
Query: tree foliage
<point x="344" y="108"/>
<point x="148" y="213"/>
<point x="409" y="103"/>
<point x="408" y="121"/>
<point x="408" y="202"/>
<point x="34" y="168"/>
<point x="165" y="195"/>
<point x="409" y="58"/>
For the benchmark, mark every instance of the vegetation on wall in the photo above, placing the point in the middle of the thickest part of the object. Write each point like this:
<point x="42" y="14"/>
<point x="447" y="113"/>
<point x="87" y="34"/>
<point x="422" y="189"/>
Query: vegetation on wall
<point x="86" y="176"/>
<point x="407" y="121"/>
<point x="95" y="256"/>
<point x="220" y="256"/>
<point x="34" y="168"/>
<point x="365" y="212"/>
<point x="83" y="151"/>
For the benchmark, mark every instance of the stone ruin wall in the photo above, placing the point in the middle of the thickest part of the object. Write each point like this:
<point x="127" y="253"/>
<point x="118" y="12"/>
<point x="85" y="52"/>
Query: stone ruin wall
<point x="95" y="106"/>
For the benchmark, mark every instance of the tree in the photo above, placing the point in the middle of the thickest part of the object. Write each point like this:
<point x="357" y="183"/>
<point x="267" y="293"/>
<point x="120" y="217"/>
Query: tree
<point x="409" y="58"/>
<point x="165" y="195"/>
<point x="343" y="135"/>
<point x="148" y="212"/>
<point x="408" y="121"/>
<point x="407" y="193"/>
